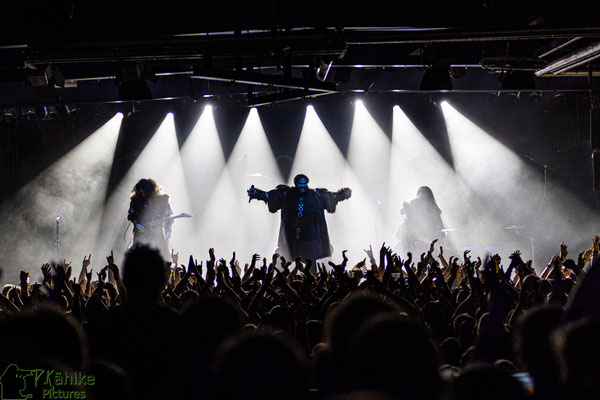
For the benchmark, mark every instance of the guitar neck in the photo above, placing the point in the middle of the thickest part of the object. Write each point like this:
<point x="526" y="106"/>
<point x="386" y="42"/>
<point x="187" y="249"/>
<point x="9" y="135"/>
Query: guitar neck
<point x="165" y="219"/>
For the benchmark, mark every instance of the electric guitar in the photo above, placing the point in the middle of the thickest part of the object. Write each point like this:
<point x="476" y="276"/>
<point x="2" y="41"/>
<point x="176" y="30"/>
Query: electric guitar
<point x="149" y="224"/>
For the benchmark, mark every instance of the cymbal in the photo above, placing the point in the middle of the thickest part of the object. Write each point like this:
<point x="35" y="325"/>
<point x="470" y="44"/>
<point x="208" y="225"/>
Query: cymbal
<point x="514" y="227"/>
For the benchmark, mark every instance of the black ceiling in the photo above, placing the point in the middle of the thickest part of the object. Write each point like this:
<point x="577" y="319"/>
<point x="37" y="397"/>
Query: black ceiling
<point x="85" y="51"/>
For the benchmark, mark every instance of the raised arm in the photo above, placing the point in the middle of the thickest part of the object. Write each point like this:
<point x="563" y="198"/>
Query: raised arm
<point x="342" y="194"/>
<point x="257" y="194"/>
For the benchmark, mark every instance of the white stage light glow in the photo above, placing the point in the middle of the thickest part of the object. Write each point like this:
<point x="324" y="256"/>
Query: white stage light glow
<point x="250" y="227"/>
<point x="368" y="163"/>
<point x="414" y="162"/>
<point x="74" y="187"/>
<point x="160" y="160"/>
<point x="507" y="192"/>
<point x="318" y="157"/>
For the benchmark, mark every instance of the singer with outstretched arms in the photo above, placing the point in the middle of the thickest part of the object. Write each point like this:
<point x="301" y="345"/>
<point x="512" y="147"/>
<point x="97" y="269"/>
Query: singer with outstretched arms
<point x="303" y="230"/>
<point x="148" y="204"/>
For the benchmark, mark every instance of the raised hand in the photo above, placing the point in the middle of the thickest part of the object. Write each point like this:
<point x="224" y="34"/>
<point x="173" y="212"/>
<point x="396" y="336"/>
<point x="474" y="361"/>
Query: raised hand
<point x="68" y="273"/>
<point x="563" y="251"/>
<point x="86" y="262"/>
<point x="211" y="253"/>
<point x="255" y="259"/>
<point x="338" y="269"/>
<point x="174" y="257"/>
<point x="432" y="246"/>
<point x="587" y="255"/>
<point x="478" y="263"/>
<point x="102" y="275"/>
<point x="345" y="258"/>
<point x="24" y="277"/>
<point x="60" y="274"/>
<point x="46" y="273"/>
<point x="383" y="251"/>
<point x="370" y="254"/>
<point x="114" y="270"/>
<point x="361" y="265"/>
<point x="254" y="193"/>
<point x="269" y="275"/>
<point x="284" y="263"/>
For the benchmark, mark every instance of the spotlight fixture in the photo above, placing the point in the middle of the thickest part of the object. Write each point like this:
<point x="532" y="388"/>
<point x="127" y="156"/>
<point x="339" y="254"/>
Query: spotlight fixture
<point x="323" y="70"/>
<point x="132" y="84"/>
<point x="436" y="79"/>
<point x="50" y="112"/>
<point x="29" y="113"/>
<point x="43" y="76"/>
<point x="9" y="113"/>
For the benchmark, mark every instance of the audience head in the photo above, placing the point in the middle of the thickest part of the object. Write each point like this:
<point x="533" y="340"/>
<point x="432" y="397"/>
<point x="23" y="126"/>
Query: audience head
<point x="393" y="354"/>
<point x="144" y="274"/>
<point x="260" y="367"/>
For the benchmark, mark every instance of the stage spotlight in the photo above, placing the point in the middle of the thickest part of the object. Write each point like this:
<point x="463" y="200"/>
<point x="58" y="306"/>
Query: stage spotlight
<point x="40" y="77"/>
<point x="323" y="70"/>
<point x="436" y="79"/>
<point x="30" y="113"/>
<point x="208" y="108"/>
<point x="132" y="84"/>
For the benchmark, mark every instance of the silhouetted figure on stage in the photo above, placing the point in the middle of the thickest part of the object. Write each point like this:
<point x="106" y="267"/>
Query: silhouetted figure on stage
<point x="149" y="204"/>
<point x="303" y="230"/>
<point x="423" y="221"/>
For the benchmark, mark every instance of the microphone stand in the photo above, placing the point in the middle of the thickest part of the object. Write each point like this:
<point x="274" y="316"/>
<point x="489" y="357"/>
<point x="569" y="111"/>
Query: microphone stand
<point x="57" y="242"/>
<point x="546" y="168"/>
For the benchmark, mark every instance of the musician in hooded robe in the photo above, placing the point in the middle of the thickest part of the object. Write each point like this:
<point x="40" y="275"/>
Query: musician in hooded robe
<point x="148" y="206"/>
<point x="423" y="222"/>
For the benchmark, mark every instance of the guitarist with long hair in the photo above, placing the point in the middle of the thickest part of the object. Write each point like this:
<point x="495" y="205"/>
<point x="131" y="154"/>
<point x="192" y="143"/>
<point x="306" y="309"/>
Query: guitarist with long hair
<point x="149" y="204"/>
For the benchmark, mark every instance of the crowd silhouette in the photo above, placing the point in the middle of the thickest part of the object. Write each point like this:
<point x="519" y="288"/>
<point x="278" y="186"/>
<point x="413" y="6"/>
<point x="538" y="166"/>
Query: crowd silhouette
<point x="413" y="326"/>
